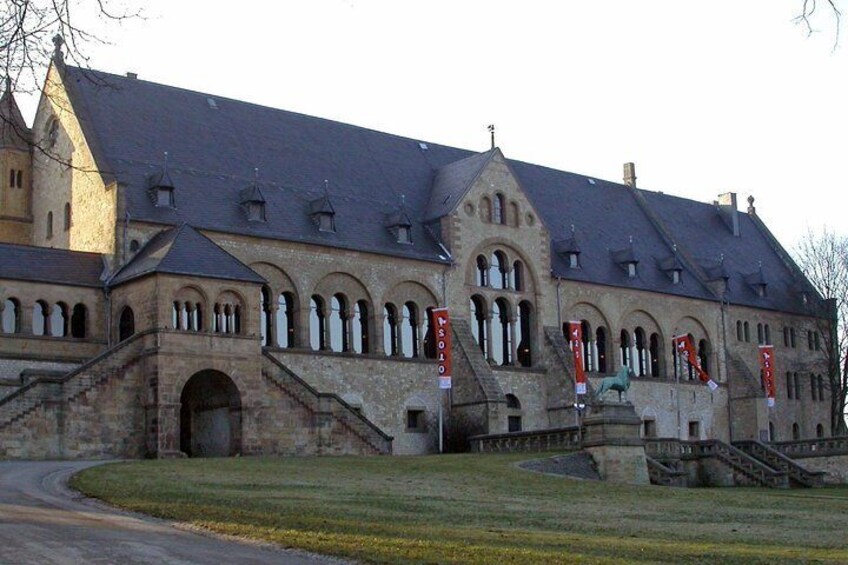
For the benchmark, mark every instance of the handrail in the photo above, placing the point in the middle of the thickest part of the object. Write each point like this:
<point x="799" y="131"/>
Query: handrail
<point x="819" y="447"/>
<point x="779" y="461"/>
<point x="742" y="462"/>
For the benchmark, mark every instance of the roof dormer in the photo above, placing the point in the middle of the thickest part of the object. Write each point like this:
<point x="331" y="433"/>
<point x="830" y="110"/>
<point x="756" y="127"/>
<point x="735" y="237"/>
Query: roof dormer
<point x="627" y="260"/>
<point x="757" y="281"/>
<point x="323" y="214"/>
<point x="672" y="267"/>
<point x="252" y="202"/>
<point x="161" y="188"/>
<point x="400" y="225"/>
<point x="569" y="250"/>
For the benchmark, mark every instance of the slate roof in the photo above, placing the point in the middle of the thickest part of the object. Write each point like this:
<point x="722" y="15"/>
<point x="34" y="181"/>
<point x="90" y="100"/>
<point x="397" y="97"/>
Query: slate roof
<point x="215" y="144"/>
<point x="184" y="251"/>
<point x="47" y="265"/>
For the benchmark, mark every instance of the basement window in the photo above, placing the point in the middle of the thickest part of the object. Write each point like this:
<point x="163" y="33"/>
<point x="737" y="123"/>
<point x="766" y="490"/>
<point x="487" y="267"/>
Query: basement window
<point x="415" y="421"/>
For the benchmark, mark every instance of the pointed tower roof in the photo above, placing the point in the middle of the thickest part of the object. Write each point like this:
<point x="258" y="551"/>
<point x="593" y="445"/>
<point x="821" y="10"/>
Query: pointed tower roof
<point x="185" y="251"/>
<point x="13" y="130"/>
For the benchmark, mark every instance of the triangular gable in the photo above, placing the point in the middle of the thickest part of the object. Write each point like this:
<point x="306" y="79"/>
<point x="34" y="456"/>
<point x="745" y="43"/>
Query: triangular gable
<point x="185" y="251"/>
<point x="453" y="181"/>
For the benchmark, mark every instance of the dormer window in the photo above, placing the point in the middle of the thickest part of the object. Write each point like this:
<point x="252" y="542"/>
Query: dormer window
<point x="400" y="225"/>
<point x="631" y="269"/>
<point x="569" y="251"/>
<point x="253" y="203"/>
<point x="323" y="214"/>
<point x="573" y="260"/>
<point x="626" y="258"/>
<point x="403" y="235"/>
<point x="758" y="283"/>
<point x="675" y="277"/>
<point x="165" y="197"/>
<point x="161" y="188"/>
<point x="672" y="267"/>
<point x="761" y="290"/>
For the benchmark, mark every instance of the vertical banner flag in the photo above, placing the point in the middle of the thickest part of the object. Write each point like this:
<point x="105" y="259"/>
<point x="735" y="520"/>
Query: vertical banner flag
<point x="686" y="350"/>
<point x="441" y="322"/>
<point x="575" y="339"/>
<point x="767" y="366"/>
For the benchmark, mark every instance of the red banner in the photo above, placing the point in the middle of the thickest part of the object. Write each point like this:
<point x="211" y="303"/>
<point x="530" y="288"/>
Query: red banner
<point x="767" y="369"/>
<point x="686" y="350"/>
<point x="441" y="322"/>
<point x="575" y="340"/>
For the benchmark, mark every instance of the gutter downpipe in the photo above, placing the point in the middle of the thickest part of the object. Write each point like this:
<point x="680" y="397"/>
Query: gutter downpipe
<point x="724" y="304"/>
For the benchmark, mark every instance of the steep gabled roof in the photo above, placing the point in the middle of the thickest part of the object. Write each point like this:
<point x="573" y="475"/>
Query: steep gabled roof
<point x="48" y="265"/>
<point x="185" y="251"/>
<point x="13" y="129"/>
<point x="453" y="181"/>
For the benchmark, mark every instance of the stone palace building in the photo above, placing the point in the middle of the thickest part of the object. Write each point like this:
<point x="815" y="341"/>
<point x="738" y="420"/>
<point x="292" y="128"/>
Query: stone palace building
<point x="185" y="273"/>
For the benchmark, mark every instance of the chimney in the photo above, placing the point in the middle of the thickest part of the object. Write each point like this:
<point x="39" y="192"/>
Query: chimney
<point x="132" y="75"/>
<point x="729" y="213"/>
<point x="630" y="175"/>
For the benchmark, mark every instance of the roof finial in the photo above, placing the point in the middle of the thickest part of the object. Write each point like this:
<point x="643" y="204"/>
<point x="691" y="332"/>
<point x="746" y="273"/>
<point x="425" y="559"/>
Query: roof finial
<point x="403" y="200"/>
<point x="255" y="175"/>
<point x="573" y="230"/>
<point x="631" y="240"/>
<point x="751" y="209"/>
<point x="721" y="258"/>
<point x="491" y="129"/>
<point x="674" y="247"/>
<point x="326" y="188"/>
<point x="58" y="41"/>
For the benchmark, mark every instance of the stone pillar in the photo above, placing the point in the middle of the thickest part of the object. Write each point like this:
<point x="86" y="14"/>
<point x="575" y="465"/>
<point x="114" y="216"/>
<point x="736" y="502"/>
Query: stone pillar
<point x="169" y="431"/>
<point x="612" y="437"/>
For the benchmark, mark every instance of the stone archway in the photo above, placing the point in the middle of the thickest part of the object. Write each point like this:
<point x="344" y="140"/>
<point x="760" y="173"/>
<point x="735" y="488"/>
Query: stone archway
<point x="210" y="416"/>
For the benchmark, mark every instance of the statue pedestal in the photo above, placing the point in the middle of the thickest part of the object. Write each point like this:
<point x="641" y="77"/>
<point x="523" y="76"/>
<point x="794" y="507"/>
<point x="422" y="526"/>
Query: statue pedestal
<point x="612" y="437"/>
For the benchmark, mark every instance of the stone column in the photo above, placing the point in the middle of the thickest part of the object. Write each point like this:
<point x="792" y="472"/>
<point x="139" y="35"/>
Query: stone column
<point x="612" y="437"/>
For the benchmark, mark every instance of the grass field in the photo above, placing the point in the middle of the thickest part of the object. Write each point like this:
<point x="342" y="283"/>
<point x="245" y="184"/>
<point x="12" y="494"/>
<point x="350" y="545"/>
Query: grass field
<point x="475" y="509"/>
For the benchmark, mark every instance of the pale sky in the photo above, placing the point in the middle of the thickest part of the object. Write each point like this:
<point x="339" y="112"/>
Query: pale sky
<point x="705" y="97"/>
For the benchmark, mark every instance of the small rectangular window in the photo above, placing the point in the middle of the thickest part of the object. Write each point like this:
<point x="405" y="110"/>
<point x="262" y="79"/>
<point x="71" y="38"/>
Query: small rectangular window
<point x="415" y="421"/>
<point x="514" y="423"/>
<point x="694" y="430"/>
<point x="649" y="428"/>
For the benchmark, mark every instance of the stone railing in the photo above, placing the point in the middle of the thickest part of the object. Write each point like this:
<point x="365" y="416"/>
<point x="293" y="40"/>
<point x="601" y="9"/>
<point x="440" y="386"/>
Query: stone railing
<point x="326" y="403"/>
<point x="664" y="475"/>
<point x="663" y="449"/>
<point x="823" y="447"/>
<point x="777" y="460"/>
<point x="555" y="439"/>
<point x="756" y="472"/>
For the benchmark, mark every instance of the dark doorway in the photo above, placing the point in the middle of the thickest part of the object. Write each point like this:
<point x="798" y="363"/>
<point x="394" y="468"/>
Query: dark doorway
<point x="210" y="416"/>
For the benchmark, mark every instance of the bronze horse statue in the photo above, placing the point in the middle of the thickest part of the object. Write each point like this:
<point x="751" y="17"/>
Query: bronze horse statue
<point x="619" y="383"/>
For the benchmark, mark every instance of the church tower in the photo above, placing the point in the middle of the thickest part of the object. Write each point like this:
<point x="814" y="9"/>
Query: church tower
<point x="15" y="172"/>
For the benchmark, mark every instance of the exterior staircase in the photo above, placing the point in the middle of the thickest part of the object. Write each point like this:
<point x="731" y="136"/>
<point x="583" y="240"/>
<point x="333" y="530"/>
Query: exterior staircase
<point x="332" y="407"/>
<point x="66" y="388"/>
<point x="798" y="475"/>
<point x="747" y="470"/>
<point x="664" y="475"/>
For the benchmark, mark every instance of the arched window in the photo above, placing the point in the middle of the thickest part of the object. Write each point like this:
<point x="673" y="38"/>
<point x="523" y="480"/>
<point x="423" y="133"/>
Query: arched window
<point x="429" y="335"/>
<point x="820" y="382"/>
<point x="514" y="214"/>
<point x="126" y="325"/>
<point x="486" y="208"/>
<point x="792" y="338"/>
<point x="641" y="368"/>
<point x="217" y="319"/>
<point x="767" y="334"/>
<point x="339" y="336"/>
<point x="195" y="317"/>
<point x="760" y="335"/>
<point x="78" y="321"/>
<point x="285" y="320"/>
<point x="819" y="431"/>
<point x="810" y="340"/>
<point x="786" y="336"/>
<point x="498" y="276"/>
<point x="11" y="316"/>
<point x="359" y="326"/>
<point x="797" y="383"/>
<point x="772" y="435"/>
<point x="654" y="353"/>
<point x="747" y="333"/>
<point x="813" y="388"/>
<point x="409" y="330"/>
<point x="390" y="330"/>
<point x="525" y="341"/>
<point x="40" y="318"/>
<point x="789" y="385"/>
<point x="796" y="431"/>
<point x="588" y="348"/>
<point x="266" y="330"/>
<point x="67" y="216"/>
<point x="498" y="210"/>
<point x="704" y="355"/>
<point x="501" y="333"/>
<point x="601" y="347"/>
<point x="482" y="271"/>
<point x="518" y="276"/>
<point x="624" y="349"/>
<point x="690" y="370"/>
<point x="317" y="324"/>
<point x="739" y="335"/>
<point x="478" y="322"/>
<point x="49" y="225"/>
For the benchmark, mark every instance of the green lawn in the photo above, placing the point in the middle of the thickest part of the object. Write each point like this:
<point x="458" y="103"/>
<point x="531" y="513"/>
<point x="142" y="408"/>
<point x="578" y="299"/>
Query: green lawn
<point x="475" y="509"/>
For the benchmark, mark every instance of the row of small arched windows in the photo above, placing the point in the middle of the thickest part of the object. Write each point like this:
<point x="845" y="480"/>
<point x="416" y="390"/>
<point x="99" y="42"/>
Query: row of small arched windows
<point x="496" y="272"/>
<point x="55" y="320"/>
<point x="796" y="431"/>
<point x="793" y="387"/>
<point x="504" y="338"/>
<point x="642" y="353"/>
<point x="188" y="316"/>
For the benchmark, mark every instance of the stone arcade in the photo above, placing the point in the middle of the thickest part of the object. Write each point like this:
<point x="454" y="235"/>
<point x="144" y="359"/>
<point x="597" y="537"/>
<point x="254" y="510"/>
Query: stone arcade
<point x="190" y="274"/>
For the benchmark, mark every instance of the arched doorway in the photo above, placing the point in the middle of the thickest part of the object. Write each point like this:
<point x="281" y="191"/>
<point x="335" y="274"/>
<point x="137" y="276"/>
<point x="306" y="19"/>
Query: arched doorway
<point x="210" y="416"/>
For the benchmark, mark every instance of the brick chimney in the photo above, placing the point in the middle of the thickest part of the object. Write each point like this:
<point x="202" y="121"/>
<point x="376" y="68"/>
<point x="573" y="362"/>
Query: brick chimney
<point x="729" y="213"/>
<point x="630" y="174"/>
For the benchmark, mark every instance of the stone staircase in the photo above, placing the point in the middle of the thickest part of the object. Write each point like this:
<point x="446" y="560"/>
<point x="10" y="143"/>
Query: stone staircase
<point x="330" y="406"/>
<point x="66" y="388"/>
<point x="798" y="475"/>
<point x="485" y="378"/>
<point x="665" y="475"/>
<point x="745" y="384"/>
<point x="747" y="471"/>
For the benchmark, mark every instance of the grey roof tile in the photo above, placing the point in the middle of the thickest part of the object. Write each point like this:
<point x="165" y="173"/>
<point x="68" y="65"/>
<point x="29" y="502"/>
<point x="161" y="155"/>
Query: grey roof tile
<point x="48" y="265"/>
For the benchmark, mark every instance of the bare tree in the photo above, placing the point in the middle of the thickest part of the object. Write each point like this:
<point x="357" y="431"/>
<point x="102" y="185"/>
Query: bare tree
<point x="809" y="9"/>
<point x="823" y="257"/>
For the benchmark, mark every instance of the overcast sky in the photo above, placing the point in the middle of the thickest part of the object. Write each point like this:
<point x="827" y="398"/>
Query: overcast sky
<point x="704" y="97"/>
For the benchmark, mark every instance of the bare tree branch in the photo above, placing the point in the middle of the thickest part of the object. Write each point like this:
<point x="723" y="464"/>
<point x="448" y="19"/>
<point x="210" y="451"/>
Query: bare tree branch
<point x="808" y="11"/>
